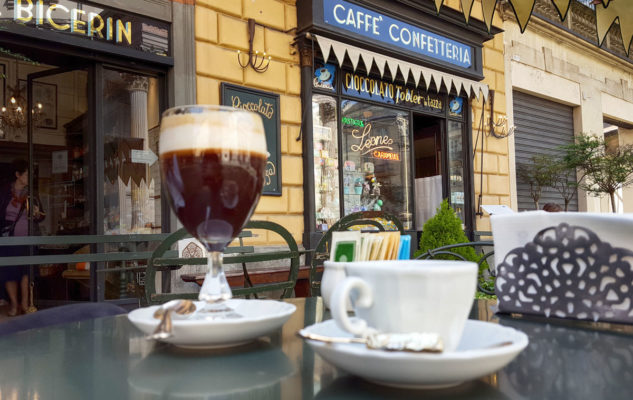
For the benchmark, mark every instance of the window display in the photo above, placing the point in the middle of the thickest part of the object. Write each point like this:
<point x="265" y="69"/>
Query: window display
<point x="456" y="168"/>
<point x="376" y="173"/>
<point x="325" y="136"/>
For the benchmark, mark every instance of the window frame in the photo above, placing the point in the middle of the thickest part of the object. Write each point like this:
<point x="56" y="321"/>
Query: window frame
<point x="467" y="145"/>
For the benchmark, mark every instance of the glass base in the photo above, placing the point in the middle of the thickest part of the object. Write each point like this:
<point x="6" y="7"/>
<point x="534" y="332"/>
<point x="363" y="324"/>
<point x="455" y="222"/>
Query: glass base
<point x="217" y="310"/>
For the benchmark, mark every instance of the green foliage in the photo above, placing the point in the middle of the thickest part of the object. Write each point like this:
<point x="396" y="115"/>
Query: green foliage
<point x="443" y="229"/>
<point x="606" y="167"/>
<point x="539" y="173"/>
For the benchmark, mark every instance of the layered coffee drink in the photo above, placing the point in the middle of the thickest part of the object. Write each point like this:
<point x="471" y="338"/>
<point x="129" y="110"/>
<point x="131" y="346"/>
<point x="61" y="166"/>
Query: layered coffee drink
<point x="212" y="164"/>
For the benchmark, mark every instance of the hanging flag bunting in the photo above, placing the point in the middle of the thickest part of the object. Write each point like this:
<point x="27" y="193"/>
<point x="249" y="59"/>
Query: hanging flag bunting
<point x="606" y="16"/>
<point x="488" y="7"/>
<point x="393" y="67"/>
<point x="472" y="88"/>
<point x="467" y="7"/>
<point x="367" y="59"/>
<point x="325" y="46"/>
<point x="426" y="74"/>
<point x="405" y="68"/>
<point x="353" y="56"/>
<point x="562" y="6"/>
<point x="339" y="51"/>
<point x="380" y="61"/>
<point x="438" y="5"/>
<point x="416" y="72"/>
<point x="523" y="11"/>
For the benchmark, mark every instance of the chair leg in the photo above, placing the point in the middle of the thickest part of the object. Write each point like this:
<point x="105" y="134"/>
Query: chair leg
<point x="247" y="281"/>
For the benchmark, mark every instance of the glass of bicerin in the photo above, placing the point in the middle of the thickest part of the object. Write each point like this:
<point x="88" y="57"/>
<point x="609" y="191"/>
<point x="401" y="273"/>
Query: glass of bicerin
<point x="212" y="162"/>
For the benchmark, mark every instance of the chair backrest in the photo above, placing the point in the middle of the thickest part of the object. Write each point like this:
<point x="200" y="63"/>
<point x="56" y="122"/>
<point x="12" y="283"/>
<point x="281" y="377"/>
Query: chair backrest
<point x="162" y="260"/>
<point x="322" y="250"/>
<point x="485" y="282"/>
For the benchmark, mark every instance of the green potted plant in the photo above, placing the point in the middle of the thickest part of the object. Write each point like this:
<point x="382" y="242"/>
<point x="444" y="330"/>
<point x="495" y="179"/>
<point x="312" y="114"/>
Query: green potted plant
<point x="445" y="228"/>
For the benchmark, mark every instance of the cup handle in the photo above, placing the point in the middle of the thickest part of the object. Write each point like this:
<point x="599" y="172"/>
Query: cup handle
<point x="338" y="304"/>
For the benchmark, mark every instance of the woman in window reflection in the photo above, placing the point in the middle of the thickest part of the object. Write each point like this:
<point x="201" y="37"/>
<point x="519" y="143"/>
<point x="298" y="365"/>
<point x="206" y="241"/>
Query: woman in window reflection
<point x="14" y="213"/>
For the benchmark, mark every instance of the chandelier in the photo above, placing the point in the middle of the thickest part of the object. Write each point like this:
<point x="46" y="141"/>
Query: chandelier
<point x="12" y="115"/>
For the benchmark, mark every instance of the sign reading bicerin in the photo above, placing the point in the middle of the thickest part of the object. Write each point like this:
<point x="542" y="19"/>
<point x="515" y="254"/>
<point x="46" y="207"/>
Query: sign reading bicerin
<point x="265" y="104"/>
<point x="391" y="93"/>
<point x="93" y="23"/>
<point x="393" y="32"/>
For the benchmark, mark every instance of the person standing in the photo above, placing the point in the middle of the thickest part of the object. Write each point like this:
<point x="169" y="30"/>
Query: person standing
<point x="14" y="203"/>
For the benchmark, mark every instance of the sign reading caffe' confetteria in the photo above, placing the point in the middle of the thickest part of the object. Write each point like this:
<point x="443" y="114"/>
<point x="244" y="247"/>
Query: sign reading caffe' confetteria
<point x="394" y="32"/>
<point x="90" y="22"/>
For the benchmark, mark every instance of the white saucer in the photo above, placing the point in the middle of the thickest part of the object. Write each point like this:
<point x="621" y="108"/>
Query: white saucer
<point x="185" y="374"/>
<point x="473" y="358"/>
<point x="258" y="318"/>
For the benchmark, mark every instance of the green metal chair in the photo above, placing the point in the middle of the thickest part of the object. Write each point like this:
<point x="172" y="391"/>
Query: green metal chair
<point x="322" y="250"/>
<point x="163" y="260"/>
<point x="448" y="251"/>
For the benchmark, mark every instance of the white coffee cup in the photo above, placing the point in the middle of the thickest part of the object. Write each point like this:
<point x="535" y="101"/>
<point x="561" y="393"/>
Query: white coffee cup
<point x="333" y="274"/>
<point x="404" y="296"/>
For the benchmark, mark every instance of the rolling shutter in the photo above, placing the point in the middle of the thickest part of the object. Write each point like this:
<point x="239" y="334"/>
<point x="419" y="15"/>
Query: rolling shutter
<point x="541" y="127"/>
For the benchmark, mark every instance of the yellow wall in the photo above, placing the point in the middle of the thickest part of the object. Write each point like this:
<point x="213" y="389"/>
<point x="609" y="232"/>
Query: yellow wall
<point x="221" y="30"/>
<point x="496" y="166"/>
<point x="547" y="62"/>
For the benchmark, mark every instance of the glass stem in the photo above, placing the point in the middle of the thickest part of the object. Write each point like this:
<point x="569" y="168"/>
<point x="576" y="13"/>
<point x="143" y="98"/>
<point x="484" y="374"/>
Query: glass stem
<point x="215" y="288"/>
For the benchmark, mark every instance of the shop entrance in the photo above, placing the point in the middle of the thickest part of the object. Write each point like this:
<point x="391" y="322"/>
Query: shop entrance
<point x="427" y="143"/>
<point x="88" y="131"/>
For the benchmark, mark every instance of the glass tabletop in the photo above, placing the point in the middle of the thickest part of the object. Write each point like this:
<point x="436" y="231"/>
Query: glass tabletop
<point x="108" y="358"/>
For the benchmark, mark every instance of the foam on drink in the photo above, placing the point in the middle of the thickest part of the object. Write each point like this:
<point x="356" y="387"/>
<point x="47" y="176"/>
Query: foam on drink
<point x="190" y="131"/>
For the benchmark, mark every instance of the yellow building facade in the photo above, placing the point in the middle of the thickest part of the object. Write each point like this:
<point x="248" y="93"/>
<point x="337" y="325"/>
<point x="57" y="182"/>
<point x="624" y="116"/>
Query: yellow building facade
<point x="221" y="30"/>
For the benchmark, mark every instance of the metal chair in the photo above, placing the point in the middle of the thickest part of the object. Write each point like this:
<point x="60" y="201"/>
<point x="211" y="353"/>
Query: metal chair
<point x="161" y="260"/>
<point x="322" y="250"/>
<point x="448" y="251"/>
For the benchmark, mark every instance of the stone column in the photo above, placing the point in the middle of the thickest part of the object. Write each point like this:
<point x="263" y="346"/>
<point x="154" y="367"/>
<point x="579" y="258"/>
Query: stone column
<point x="138" y="87"/>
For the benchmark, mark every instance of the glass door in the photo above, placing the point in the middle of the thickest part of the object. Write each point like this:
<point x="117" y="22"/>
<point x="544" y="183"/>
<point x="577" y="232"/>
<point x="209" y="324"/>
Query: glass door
<point x="59" y="143"/>
<point x="129" y="124"/>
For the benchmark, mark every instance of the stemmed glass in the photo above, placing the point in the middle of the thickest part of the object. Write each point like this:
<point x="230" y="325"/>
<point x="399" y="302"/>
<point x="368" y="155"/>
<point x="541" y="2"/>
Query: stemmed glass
<point x="212" y="163"/>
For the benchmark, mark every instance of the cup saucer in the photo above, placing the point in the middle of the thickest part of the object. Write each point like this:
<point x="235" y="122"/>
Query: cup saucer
<point x="476" y="356"/>
<point x="257" y="318"/>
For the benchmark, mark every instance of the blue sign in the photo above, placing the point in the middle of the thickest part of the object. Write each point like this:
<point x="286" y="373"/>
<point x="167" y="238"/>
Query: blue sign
<point x="373" y="25"/>
<point x="366" y="87"/>
<point x="324" y="76"/>
<point x="455" y="107"/>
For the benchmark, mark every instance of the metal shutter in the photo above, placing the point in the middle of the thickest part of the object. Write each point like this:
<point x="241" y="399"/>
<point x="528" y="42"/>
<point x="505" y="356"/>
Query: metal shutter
<point x="541" y="127"/>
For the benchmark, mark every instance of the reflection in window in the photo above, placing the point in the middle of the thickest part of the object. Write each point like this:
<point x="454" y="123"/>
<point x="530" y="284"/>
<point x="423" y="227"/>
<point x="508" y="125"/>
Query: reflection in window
<point x="325" y="138"/>
<point x="131" y="173"/>
<point x="376" y="173"/>
<point x="456" y="168"/>
<point x="132" y="177"/>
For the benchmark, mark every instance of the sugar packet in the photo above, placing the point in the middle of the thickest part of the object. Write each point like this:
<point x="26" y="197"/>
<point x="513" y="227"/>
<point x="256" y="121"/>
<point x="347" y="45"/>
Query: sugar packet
<point x="346" y="246"/>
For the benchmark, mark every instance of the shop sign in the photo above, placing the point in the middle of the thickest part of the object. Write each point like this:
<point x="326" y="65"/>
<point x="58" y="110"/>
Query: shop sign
<point x="265" y="104"/>
<point x="324" y="76"/>
<point x="392" y="32"/>
<point x="391" y="93"/>
<point x="456" y="107"/>
<point x="353" y="121"/>
<point x="90" y="22"/>
<point x="369" y="144"/>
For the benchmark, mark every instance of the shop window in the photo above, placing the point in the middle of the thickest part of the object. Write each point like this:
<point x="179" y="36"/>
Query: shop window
<point x="324" y="118"/>
<point x="376" y="159"/>
<point x="456" y="158"/>
<point x="132" y="175"/>
<point x="132" y="188"/>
